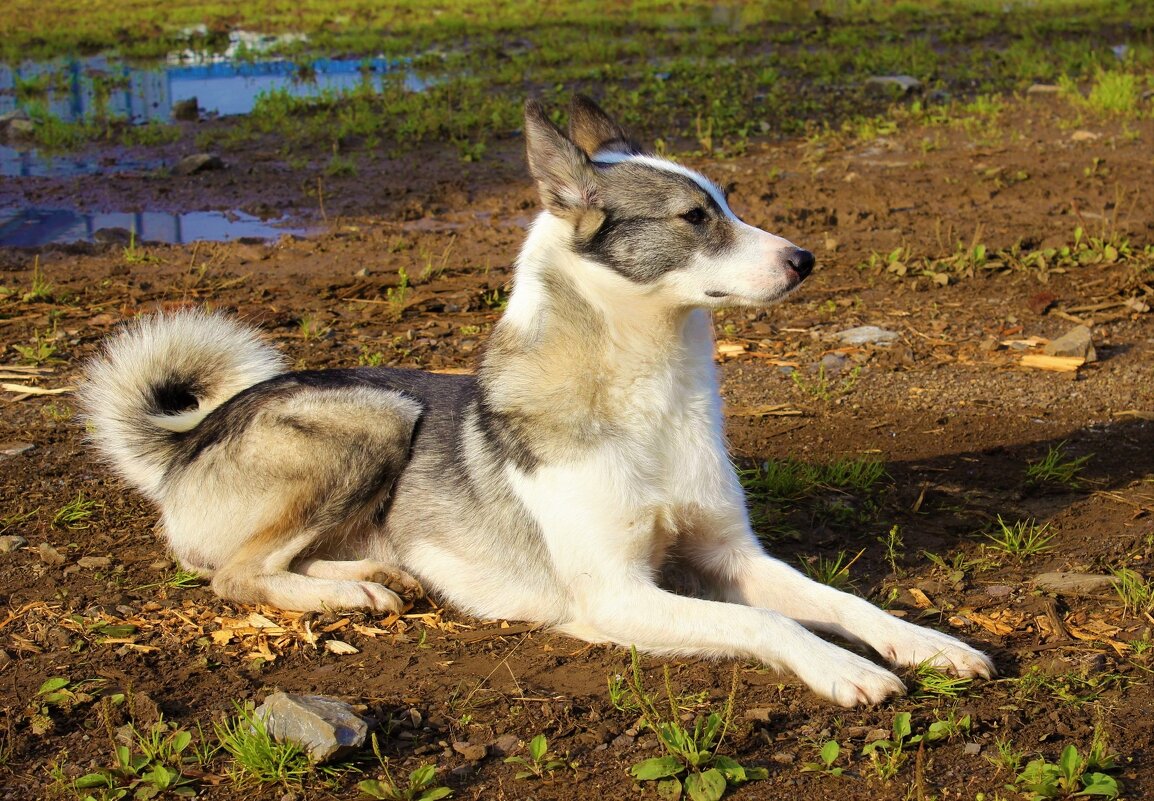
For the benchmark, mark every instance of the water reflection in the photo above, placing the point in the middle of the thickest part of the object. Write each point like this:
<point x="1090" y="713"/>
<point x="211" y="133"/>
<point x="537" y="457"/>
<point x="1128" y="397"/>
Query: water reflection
<point x="37" y="227"/>
<point x="75" y="89"/>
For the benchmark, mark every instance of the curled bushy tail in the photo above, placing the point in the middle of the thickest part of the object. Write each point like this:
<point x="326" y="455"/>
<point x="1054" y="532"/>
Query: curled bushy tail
<point x="161" y="376"/>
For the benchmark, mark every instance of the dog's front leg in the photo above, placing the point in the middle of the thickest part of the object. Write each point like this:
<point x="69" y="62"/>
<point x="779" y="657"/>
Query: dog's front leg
<point x="726" y="549"/>
<point x="603" y="546"/>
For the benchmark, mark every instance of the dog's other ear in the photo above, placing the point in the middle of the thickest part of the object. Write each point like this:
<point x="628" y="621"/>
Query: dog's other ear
<point x="594" y="131"/>
<point x="565" y="179"/>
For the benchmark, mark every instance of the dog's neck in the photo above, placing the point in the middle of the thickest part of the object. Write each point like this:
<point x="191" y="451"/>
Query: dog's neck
<point x="561" y="298"/>
<point x="575" y="328"/>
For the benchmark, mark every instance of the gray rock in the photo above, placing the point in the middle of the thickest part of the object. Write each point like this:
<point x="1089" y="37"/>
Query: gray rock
<point x="50" y="556"/>
<point x="504" y="745"/>
<point x="1073" y="582"/>
<point x="93" y="562"/>
<point x="12" y="448"/>
<point x="1076" y="342"/>
<point x="325" y="728"/>
<point x="470" y="751"/>
<point x="866" y="335"/>
<point x="16" y="126"/>
<point x="198" y="162"/>
<point x="833" y="363"/>
<point x="11" y="542"/>
<point x="904" y="83"/>
<point x="972" y="749"/>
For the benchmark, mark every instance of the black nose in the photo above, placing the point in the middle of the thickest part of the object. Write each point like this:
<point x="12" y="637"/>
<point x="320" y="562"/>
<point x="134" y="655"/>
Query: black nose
<point x="801" y="261"/>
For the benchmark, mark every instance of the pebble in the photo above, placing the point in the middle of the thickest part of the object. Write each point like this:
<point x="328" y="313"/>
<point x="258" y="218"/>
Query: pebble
<point x="326" y="728"/>
<point x="906" y="83"/>
<point x="198" y="162"/>
<point x="1078" y="341"/>
<point x="866" y="335"/>
<point x="470" y="751"/>
<point x="93" y="562"/>
<point x="505" y="744"/>
<point x="11" y="448"/>
<point x="973" y="749"/>
<point x="1072" y="582"/>
<point x="50" y="556"/>
<point x="11" y="542"/>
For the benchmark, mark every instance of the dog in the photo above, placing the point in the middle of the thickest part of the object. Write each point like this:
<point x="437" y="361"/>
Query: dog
<point x="584" y="456"/>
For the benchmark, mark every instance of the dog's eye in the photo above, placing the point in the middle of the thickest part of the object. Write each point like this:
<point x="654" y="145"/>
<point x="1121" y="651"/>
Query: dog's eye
<point x="695" y="216"/>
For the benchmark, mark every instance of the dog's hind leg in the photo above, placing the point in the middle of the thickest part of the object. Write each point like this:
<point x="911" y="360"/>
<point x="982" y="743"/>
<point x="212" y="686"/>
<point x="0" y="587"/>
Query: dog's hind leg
<point x="259" y="573"/>
<point x="286" y="487"/>
<point x="361" y="570"/>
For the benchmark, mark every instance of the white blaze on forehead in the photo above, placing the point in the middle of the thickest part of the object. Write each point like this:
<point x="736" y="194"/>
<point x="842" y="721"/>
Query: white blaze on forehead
<point x="710" y="188"/>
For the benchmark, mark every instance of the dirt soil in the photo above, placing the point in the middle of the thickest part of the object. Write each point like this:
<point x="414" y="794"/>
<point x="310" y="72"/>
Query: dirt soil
<point x="948" y="407"/>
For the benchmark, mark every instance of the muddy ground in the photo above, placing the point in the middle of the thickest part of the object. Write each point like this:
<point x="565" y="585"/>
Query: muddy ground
<point x="948" y="407"/>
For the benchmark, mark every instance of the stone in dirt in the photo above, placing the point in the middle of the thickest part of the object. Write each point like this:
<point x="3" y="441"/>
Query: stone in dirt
<point x="50" y="556"/>
<point x="11" y="542"/>
<point x="1077" y="342"/>
<point x="198" y="162"/>
<point x="866" y="335"/>
<point x="15" y="448"/>
<point x="326" y="728"/>
<point x="470" y="751"/>
<point x="905" y="83"/>
<point x="1072" y="582"/>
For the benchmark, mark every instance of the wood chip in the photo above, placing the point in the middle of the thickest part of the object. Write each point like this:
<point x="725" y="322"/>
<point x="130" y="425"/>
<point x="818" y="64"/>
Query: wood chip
<point x="340" y="647"/>
<point x="727" y="350"/>
<point x="1058" y="364"/>
<point x="768" y="410"/>
<point x="921" y="599"/>
<point x="23" y="389"/>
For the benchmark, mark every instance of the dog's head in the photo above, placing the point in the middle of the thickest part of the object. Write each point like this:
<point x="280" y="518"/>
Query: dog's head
<point x="663" y="227"/>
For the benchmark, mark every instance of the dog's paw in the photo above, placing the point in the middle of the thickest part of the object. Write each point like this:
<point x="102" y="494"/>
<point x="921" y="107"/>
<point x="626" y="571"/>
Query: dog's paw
<point x="399" y="582"/>
<point x="848" y="679"/>
<point x="915" y="645"/>
<point x="374" y="597"/>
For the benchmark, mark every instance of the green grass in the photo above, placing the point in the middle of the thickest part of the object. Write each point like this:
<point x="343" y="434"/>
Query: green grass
<point x="76" y="513"/>
<point x="256" y="756"/>
<point x="708" y="76"/>
<point x="1057" y="468"/>
<point x="1021" y="540"/>
<point x="1134" y="590"/>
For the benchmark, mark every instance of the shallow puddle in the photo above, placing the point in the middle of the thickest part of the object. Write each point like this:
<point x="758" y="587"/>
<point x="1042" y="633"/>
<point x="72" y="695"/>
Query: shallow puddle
<point x="78" y="88"/>
<point x="38" y="227"/>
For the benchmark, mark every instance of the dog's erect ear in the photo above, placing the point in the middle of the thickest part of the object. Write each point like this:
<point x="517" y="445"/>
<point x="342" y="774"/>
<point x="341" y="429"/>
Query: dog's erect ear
<point x="565" y="179"/>
<point x="594" y="131"/>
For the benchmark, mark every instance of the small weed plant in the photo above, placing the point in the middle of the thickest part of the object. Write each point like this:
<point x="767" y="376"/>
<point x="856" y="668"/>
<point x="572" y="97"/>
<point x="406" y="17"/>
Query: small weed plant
<point x="828" y="755"/>
<point x="1056" y="468"/>
<point x="41" y="289"/>
<point x="933" y="682"/>
<point x="832" y="571"/>
<point x="1135" y="591"/>
<point x="76" y="513"/>
<point x="41" y="350"/>
<point x="154" y="767"/>
<point x="1022" y="539"/>
<point x="540" y="763"/>
<point x="691" y="765"/>
<point x="1073" y="775"/>
<point x="824" y="387"/>
<point x="887" y="756"/>
<point x="421" y="786"/>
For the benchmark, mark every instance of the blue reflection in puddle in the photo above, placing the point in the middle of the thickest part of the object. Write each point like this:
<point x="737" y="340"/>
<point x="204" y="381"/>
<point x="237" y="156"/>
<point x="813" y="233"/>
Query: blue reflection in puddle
<point x="224" y="84"/>
<point x="38" y="227"/>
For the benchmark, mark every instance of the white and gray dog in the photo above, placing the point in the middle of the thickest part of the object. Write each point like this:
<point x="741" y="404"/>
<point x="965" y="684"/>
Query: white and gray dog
<point x="585" y="455"/>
